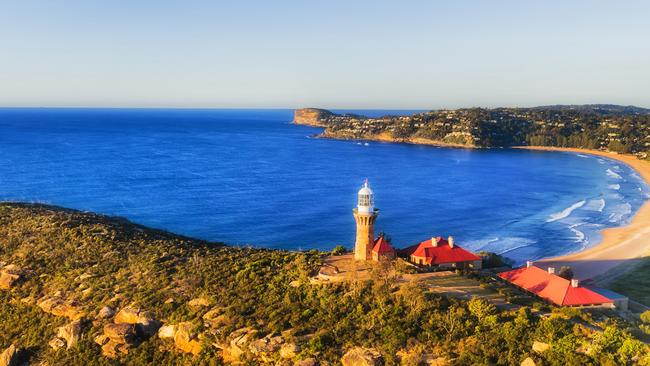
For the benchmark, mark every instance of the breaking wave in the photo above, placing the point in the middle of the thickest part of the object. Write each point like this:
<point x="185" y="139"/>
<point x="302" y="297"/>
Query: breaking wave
<point x="615" y="187"/>
<point x="612" y="174"/>
<point x="566" y="212"/>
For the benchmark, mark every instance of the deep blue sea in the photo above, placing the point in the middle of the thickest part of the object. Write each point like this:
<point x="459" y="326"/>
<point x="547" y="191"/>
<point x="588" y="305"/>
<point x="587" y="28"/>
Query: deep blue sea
<point x="250" y="177"/>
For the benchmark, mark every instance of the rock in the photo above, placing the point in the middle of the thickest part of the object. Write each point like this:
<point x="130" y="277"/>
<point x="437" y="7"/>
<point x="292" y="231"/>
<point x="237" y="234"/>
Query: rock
<point x="70" y="333"/>
<point x="359" y="356"/>
<point x="198" y="302"/>
<point x="528" y="362"/>
<point x="306" y="362"/>
<point x="311" y="116"/>
<point x="112" y="348"/>
<point x="146" y="324"/>
<point x="105" y="313"/>
<point x="9" y="275"/>
<point x="56" y="343"/>
<point x="102" y="339"/>
<point x="235" y="348"/>
<point x="167" y="331"/>
<point x="59" y="307"/>
<point x="121" y="333"/>
<point x="264" y="348"/>
<point x="540" y="347"/>
<point x="186" y="340"/>
<point x="289" y="350"/>
<point x="9" y="357"/>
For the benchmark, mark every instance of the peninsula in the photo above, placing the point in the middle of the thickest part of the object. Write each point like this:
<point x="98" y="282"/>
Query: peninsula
<point x="622" y="129"/>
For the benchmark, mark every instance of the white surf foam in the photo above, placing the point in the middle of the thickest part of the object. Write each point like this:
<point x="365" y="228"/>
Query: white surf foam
<point x="612" y="174"/>
<point x="620" y="213"/>
<point x="566" y="212"/>
<point x="615" y="187"/>
<point x="596" y="205"/>
<point x="583" y="156"/>
<point x="580" y="236"/>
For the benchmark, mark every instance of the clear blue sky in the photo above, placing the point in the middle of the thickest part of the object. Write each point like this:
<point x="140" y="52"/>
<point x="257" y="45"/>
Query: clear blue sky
<point x="333" y="54"/>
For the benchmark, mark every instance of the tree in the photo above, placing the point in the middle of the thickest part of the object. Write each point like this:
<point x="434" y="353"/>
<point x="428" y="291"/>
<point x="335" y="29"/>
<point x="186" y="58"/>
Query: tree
<point x="566" y="272"/>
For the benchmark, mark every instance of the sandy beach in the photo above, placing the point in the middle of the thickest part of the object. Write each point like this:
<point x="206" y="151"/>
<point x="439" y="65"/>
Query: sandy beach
<point x="619" y="246"/>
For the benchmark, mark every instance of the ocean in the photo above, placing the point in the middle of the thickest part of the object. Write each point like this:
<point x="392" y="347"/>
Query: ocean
<point x="250" y="177"/>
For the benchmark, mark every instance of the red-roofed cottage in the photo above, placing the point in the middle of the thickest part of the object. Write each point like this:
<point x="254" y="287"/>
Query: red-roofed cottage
<point x="382" y="249"/>
<point x="555" y="289"/>
<point x="442" y="253"/>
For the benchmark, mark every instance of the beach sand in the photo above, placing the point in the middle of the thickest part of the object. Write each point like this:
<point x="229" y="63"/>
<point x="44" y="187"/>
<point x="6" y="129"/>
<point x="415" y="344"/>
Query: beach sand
<point x="620" y="246"/>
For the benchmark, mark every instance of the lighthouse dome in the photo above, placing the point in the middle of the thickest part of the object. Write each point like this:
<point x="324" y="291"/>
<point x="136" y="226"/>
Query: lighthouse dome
<point x="366" y="203"/>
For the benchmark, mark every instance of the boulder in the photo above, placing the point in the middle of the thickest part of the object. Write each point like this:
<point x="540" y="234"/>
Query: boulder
<point x="56" y="343"/>
<point x="186" y="339"/>
<point x="236" y="344"/>
<point x="198" y="302"/>
<point x="265" y="348"/>
<point x="359" y="356"/>
<point x="167" y="331"/>
<point x="540" y="347"/>
<point x="70" y="333"/>
<point x="9" y="275"/>
<point x="60" y="307"/>
<point x="146" y="324"/>
<point x="289" y="350"/>
<point x="121" y="333"/>
<point x="9" y="357"/>
<point x="528" y="362"/>
<point x="306" y="362"/>
<point x="105" y="313"/>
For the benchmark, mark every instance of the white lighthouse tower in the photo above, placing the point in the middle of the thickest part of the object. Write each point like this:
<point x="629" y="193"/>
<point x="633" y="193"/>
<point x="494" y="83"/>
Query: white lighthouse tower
<point x="365" y="215"/>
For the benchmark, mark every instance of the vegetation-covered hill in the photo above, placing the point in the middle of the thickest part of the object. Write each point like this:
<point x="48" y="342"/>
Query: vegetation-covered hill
<point x="79" y="288"/>
<point x="624" y="129"/>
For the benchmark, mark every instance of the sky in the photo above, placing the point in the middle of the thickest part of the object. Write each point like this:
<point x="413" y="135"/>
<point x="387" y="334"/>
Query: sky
<point x="331" y="54"/>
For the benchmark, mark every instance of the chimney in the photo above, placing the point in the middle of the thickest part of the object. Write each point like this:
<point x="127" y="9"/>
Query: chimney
<point x="574" y="283"/>
<point x="529" y="264"/>
<point x="434" y="241"/>
<point x="450" y="240"/>
<point x="551" y="270"/>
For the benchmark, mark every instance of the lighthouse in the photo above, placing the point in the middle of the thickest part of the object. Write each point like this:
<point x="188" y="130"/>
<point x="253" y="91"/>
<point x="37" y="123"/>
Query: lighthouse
<point x="365" y="215"/>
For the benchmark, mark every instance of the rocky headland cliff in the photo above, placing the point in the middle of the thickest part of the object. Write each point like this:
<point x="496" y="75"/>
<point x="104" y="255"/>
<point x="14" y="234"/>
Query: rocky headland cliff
<point x="623" y="129"/>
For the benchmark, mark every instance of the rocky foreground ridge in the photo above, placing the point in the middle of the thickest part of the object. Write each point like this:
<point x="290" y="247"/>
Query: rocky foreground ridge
<point x="80" y="288"/>
<point x="608" y="127"/>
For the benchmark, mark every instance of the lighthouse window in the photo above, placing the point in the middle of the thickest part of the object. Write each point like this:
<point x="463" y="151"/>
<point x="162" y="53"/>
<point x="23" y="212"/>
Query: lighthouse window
<point x="364" y="200"/>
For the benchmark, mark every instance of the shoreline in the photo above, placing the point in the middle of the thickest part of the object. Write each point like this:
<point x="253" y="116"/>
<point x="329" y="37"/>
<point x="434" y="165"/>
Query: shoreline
<point x="620" y="247"/>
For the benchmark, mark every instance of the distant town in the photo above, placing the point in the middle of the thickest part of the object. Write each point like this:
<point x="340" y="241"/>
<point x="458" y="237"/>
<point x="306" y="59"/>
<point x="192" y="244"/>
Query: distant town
<point x="622" y="129"/>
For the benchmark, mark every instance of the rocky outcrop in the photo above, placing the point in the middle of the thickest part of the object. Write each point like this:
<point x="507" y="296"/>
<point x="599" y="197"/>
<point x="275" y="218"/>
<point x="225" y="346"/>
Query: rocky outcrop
<point x="9" y="275"/>
<point x="166" y="331"/>
<point x="61" y="307"/>
<point x="265" y="348"/>
<point x="289" y="350"/>
<point x="67" y="335"/>
<point x="216" y="318"/>
<point x="9" y="357"/>
<point x="105" y="313"/>
<point x="359" y="356"/>
<point x="311" y="116"/>
<point x="236" y="344"/>
<point x="117" y="338"/>
<point x="186" y="339"/>
<point x="146" y="324"/>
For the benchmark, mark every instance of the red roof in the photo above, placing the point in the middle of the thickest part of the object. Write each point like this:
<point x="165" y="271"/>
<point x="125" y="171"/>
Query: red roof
<point x="554" y="288"/>
<point x="382" y="246"/>
<point x="442" y="253"/>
